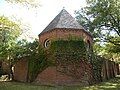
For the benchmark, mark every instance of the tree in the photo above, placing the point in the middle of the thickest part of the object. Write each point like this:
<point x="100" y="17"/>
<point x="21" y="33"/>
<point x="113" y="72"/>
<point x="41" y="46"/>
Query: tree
<point x="24" y="48"/>
<point x="9" y="33"/>
<point x="28" y="3"/>
<point x="35" y="55"/>
<point x="102" y="18"/>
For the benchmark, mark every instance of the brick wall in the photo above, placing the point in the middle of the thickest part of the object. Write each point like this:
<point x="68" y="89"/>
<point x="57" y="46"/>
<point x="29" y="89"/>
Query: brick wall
<point x="53" y="75"/>
<point x="63" y="34"/>
<point x="110" y="69"/>
<point x="21" y="70"/>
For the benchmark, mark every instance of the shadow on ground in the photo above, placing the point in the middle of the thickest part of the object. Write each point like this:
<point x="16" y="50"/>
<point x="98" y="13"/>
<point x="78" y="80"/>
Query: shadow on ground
<point x="113" y="84"/>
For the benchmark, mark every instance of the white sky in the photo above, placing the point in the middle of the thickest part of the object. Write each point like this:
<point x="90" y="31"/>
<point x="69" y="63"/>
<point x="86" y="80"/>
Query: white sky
<point x="39" y="18"/>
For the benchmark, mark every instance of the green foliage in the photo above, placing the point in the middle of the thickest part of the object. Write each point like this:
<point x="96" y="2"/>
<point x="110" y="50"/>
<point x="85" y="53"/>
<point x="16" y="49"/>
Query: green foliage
<point x="34" y="53"/>
<point x="67" y="55"/>
<point x="98" y="49"/>
<point x="112" y="51"/>
<point x="28" y="3"/>
<point x="101" y="18"/>
<point x="21" y="49"/>
<point x="69" y="50"/>
<point x="97" y="64"/>
<point x="101" y="15"/>
<point x="112" y="48"/>
<point x="108" y="50"/>
<point x="37" y="60"/>
<point x="9" y="32"/>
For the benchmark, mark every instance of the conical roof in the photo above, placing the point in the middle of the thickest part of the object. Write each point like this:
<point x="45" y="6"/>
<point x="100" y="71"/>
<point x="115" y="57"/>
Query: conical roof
<point x="63" y="20"/>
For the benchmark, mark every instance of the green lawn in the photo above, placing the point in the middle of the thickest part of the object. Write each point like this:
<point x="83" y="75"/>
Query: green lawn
<point x="113" y="84"/>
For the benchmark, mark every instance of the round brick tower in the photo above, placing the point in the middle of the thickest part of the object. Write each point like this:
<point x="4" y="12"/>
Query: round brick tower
<point x="61" y="27"/>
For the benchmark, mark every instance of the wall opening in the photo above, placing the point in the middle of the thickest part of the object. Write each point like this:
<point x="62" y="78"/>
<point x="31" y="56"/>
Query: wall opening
<point x="88" y="44"/>
<point x="46" y="43"/>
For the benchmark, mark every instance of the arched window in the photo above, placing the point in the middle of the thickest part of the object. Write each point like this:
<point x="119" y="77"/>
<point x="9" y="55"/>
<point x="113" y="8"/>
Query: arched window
<point x="47" y="43"/>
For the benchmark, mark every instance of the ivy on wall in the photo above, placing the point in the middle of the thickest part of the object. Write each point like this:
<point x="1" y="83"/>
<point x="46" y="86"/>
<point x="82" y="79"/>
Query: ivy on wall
<point x="97" y="64"/>
<point x="66" y="54"/>
<point x="37" y="63"/>
<point x="76" y="49"/>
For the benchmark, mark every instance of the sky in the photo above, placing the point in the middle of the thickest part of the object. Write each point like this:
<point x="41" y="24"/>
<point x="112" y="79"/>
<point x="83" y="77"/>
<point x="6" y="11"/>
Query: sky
<point x="37" y="19"/>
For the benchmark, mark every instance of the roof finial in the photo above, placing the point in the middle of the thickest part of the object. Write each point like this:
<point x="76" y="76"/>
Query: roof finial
<point x="63" y="7"/>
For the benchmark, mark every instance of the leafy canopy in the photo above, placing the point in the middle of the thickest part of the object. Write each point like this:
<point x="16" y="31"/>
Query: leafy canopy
<point x="9" y="32"/>
<point x="102" y="19"/>
<point x="28" y="3"/>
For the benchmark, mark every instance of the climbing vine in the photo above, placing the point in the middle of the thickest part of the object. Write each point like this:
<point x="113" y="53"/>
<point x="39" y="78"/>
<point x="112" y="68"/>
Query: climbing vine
<point x="66" y="54"/>
<point x="69" y="49"/>
<point x="37" y="62"/>
<point x="97" y="64"/>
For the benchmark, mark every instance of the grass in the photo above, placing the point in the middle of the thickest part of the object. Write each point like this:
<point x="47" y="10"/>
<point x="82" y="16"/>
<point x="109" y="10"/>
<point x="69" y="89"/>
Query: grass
<point x="113" y="84"/>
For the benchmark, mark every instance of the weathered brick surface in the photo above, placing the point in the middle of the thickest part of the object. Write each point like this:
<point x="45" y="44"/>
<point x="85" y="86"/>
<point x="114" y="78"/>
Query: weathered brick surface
<point x="82" y="75"/>
<point x="53" y="75"/>
<point x="21" y="70"/>
<point x="64" y="34"/>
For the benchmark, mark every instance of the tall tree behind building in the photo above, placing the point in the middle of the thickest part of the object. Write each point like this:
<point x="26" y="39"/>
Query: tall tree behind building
<point x="102" y="19"/>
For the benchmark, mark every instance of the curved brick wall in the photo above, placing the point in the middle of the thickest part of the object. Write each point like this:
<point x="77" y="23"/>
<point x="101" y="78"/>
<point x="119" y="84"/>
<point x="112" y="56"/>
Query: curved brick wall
<point x="63" y="34"/>
<point x="52" y="76"/>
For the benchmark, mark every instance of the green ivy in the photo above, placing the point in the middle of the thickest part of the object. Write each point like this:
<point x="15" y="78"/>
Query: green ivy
<point x="69" y="49"/>
<point x="63" y="53"/>
<point x="97" y="64"/>
<point x="37" y="63"/>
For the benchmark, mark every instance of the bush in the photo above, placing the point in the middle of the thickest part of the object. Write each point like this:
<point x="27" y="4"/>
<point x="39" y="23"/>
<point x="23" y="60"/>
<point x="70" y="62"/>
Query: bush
<point x="37" y="62"/>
